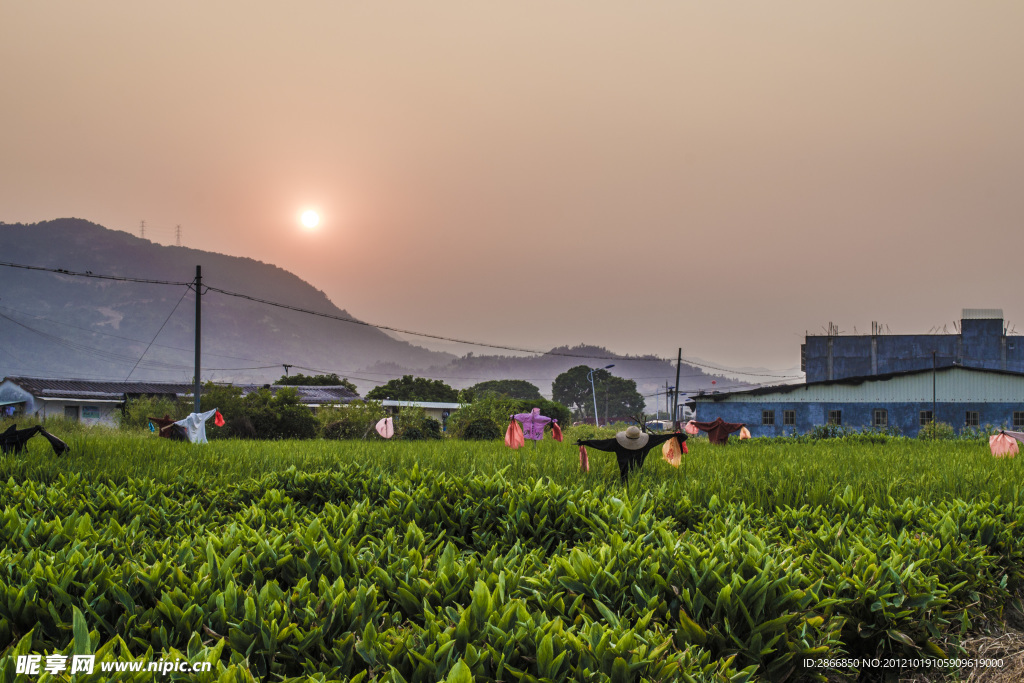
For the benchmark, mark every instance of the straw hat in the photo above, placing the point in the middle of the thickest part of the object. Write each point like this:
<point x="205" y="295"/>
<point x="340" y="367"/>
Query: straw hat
<point x="632" y="439"/>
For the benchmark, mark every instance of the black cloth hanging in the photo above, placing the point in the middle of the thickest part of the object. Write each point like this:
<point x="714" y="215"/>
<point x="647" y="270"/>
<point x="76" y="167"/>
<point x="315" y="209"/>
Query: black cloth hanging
<point x="16" y="440"/>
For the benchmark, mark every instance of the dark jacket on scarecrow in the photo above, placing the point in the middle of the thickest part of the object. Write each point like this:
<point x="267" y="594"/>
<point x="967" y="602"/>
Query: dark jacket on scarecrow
<point x="630" y="447"/>
<point x="16" y="440"/>
<point x="719" y="430"/>
<point x="167" y="429"/>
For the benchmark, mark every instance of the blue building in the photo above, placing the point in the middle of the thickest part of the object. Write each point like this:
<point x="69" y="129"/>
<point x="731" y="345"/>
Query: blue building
<point x="982" y="342"/>
<point x="960" y="396"/>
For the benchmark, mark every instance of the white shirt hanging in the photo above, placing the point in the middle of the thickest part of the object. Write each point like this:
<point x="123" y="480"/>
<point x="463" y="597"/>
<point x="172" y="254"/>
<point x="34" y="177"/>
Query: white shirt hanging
<point x="195" y="425"/>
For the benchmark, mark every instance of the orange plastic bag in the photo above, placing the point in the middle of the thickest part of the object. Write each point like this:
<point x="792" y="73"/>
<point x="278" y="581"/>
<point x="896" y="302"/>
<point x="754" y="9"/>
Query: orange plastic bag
<point x="672" y="452"/>
<point x="556" y="431"/>
<point x="744" y="433"/>
<point x="584" y="460"/>
<point x="514" y="435"/>
<point x="1002" y="445"/>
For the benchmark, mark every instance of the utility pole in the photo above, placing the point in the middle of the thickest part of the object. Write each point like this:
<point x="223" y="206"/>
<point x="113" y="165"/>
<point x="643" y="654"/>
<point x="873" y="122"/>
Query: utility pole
<point x="286" y="366"/>
<point x="199" y="321"/>
<point x="675" y="394"/>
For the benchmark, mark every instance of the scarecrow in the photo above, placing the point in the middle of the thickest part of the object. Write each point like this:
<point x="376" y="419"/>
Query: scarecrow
<point x="630" y="447"/>
<point x="533" y="427"/>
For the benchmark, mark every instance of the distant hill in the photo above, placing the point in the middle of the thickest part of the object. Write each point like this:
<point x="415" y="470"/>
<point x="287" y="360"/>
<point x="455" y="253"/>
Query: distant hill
<point x="650" y="372"/>
<point x="65" y="326"/>
<point x="90" y="328"/>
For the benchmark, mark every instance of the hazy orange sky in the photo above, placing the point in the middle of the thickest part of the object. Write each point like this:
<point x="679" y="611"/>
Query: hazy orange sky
<point x="720" y="176"/>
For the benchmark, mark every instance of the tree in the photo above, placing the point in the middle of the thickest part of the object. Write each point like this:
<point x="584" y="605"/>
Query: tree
<point x="510" y="388"/>
<point x="331" y="380"/>
<point x="572" y="389"/>
<point x="616" y="397"/>
<point x="410" y="388"/>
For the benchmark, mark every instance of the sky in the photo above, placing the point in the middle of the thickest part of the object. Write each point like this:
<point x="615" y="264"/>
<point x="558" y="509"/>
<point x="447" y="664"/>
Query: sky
<point x="717" y="176"/>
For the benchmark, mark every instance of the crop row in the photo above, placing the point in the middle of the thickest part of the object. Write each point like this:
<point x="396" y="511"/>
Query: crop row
<point x="422" y="577"/>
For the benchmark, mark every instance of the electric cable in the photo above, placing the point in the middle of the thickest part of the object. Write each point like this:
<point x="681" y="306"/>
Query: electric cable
<point x="187" y="290"/>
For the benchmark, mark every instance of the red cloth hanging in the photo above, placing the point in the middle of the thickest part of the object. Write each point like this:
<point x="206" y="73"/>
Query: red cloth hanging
<point x="218" y="419"/>
<point x="556" y="431"/>
<point x="584" y="460"/>
<point x="514" y="435"/>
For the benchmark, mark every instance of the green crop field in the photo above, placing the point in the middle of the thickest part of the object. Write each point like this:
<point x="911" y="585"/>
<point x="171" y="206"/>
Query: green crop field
<point x="458" y="561"/>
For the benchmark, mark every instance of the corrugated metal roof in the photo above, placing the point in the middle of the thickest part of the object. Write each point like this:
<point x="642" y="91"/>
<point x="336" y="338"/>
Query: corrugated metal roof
<point x="982" y="314"/>
<point x="421" y="404"/>
<point x="308" y="394"/>
<point x="952" y="384"/>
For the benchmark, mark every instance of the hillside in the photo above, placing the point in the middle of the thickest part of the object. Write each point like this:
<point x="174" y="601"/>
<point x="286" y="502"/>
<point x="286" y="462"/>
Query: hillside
<point x="62" y="325"/>
<point x="69" y="326"/>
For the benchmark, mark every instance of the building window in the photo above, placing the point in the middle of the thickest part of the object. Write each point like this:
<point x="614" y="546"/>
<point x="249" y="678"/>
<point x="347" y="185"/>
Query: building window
<point x="789" y="417"/>
<point x="926" y="418"/>
<point x="835" y="417"/>
<point x="1018" y="419"/>
<point x="880" y="418"/>
<point x="971" y="418"/>
<point x="90" y="412"/>
<point x="768" y="417"/>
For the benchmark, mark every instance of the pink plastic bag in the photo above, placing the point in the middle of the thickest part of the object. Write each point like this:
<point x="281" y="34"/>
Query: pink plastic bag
<point x="744" y="433"/>
<point x="691" y="429"/>
<point x="386" y="427"/>
<point x="1002" y="445"/>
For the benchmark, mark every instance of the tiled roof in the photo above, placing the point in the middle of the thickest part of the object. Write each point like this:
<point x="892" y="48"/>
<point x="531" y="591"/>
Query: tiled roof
<point x="84" y="389"/>
<point x="55" y="387"/>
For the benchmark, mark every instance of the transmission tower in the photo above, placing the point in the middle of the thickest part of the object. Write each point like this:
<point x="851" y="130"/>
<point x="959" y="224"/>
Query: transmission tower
<point x="142" y="229"/>
<point x="177" y="234"/>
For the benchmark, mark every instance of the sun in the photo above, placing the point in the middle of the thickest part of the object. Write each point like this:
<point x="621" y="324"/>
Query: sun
<point x="310" y="219"/>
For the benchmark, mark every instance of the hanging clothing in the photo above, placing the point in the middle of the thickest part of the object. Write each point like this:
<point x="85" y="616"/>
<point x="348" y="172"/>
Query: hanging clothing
<point x="195" y="425"/>
<point x="163" y="425"/>
<point x="719" y="430"/>
<point x="629" y="456"/>
<point x="533" y="424"/>
<point x="16" y="440"/>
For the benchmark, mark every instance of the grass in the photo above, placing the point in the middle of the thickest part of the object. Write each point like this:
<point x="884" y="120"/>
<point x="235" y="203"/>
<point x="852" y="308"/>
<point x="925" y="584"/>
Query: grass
<point x="762" y="473"/>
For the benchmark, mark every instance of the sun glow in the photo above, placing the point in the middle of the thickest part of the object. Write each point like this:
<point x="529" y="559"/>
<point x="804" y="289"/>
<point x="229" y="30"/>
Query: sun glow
<point x="310" y="219"/>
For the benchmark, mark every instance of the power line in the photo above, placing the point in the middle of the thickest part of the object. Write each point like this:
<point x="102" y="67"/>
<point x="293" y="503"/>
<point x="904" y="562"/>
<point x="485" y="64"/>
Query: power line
<point x="89" y="273"/>
<point x="158" y="333"/>
<point x="426" y="335"/>
<point x="118" y="336"/>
